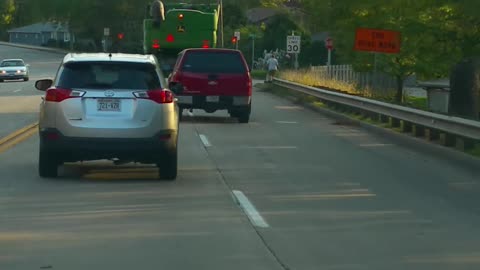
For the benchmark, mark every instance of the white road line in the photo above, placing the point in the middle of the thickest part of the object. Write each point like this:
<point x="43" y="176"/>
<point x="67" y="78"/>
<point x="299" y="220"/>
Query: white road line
<point x="255" y="218"/>
<point x="16" y="91"/>
<point x="205" y="141"/>
<point x="190" y="113"/>
<point x="286" y="122"/>
<point x="375" y="144"/>
<point x="272" y="147"/>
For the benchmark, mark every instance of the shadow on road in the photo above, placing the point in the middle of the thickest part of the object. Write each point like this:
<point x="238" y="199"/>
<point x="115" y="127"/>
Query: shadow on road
<point x="209" y="119"/>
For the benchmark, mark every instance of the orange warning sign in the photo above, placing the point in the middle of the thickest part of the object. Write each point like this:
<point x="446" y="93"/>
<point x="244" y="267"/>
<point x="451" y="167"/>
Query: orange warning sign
<point x="376" y="40"/>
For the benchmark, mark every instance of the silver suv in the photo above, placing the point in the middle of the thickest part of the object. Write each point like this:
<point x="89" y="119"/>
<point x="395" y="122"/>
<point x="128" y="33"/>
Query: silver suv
<point x="108" y="106"/>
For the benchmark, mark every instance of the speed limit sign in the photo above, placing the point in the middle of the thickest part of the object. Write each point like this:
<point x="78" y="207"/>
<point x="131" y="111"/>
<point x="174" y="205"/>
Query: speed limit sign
<point x="294" y="44"/>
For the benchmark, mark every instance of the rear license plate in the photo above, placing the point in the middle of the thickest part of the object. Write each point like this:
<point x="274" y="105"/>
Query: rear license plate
<point x="108" y="105"/>
<point x="212" y="99"/>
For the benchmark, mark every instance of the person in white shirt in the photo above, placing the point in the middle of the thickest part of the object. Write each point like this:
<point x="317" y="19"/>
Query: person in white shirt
<point x="272" y="66"/>
<point x="157" y="11"/>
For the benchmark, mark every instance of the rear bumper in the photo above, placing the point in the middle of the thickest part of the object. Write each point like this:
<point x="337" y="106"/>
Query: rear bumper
<point x="70" y="149"/>
<point x="14" y="77"/>
<point x="213" y="102"/>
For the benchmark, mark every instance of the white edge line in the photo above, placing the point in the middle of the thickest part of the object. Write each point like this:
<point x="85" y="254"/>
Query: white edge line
<point x="375" y="145"/>
<point x="272" y="147"/>
<point x="190" y="113"/>
<point x="16" y="91"/>
<point x="286" y="122"/>
<point x="255" y="218"/>
<point x="204" y="140"/>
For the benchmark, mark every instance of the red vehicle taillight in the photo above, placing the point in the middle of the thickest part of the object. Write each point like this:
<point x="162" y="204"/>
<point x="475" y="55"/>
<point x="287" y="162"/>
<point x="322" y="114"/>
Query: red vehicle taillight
<point x="206" y="44"/>
<point x="156" y="44"/>
<point x="159" y="96"/>
<point x="170" y="38"/>
<point x="59" y="94"/>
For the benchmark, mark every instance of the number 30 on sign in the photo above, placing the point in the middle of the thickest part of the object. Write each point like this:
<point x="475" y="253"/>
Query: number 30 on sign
<point x="293" y="44"/>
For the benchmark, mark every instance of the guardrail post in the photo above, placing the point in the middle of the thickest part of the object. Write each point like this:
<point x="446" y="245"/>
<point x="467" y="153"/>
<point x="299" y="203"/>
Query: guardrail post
<point x="433" y="135"/>
<point x="465" y="144"/>
<point x="418" y="131"/>
<point x="407" y="127"/>
<point x="394" y="122"/>
<point x="448" y="140"/>
<point x="383" y="118"/>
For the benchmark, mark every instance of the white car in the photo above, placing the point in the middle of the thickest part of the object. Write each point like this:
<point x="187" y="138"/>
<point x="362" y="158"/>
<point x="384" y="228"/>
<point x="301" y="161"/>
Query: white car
<point x="114" y="107"/>
<point x="13" y="69"/>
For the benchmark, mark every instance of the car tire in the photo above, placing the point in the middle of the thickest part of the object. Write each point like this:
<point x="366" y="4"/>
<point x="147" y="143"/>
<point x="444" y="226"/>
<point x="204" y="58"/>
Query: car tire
<point x="167" y="167"/>
<point x="244" y="115"/>
<point x="26" y="79"/>
<point x="233" y="114"/>
<point x="1" y="80"/>
<point x="244" y="118"/>
<point x="47" y="165"/>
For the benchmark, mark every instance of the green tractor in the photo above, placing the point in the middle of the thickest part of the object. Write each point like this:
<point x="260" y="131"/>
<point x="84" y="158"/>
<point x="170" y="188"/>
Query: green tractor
<point x="185" y="26"/>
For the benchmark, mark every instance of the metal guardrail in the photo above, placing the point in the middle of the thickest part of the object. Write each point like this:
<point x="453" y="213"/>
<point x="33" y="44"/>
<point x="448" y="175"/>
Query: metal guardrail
<point x="448" y="124"/>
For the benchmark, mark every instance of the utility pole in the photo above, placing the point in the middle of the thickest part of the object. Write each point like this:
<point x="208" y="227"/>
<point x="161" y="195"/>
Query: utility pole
<point x="221" y="25"/>
<point x="253" y="49"/>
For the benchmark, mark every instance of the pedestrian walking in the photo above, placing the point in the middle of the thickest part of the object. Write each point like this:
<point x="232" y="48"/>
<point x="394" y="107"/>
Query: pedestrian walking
<point x="272" y="66"/>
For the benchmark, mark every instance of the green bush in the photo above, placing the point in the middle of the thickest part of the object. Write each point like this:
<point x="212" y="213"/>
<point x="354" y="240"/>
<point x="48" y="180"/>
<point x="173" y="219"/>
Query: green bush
<point x="259" y="74"/>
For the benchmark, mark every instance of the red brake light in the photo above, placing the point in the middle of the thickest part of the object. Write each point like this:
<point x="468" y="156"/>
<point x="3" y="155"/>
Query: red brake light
<point x="159" y="96"/>
<point x="156" y="44"/>
<point x="59" y="94"/>
<point x="170" y="38"/>
<point x="206" y="44"/>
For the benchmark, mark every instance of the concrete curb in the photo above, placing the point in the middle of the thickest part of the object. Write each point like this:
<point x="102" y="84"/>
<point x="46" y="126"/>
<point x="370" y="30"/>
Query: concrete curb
<point x="38" y="48"/>
<point x="461" y="159"/>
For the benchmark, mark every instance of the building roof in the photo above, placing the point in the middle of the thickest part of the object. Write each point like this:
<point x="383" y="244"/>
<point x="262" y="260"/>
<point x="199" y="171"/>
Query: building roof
<point x="256" y="15"/>
<point x="39" y="28"/>
<point x="105" y="57"/>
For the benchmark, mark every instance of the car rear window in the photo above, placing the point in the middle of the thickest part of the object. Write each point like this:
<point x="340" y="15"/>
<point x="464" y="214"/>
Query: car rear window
<point x="12" y="64"/>
<point x="102" y="75"/>
<point x="213" y="62"/>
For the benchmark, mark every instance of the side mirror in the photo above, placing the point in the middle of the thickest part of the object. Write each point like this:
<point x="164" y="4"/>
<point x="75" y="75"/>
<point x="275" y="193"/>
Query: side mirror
<point x="177" y="88"/>
<point x="43" y="85"/>
<point x="27" y="65"/>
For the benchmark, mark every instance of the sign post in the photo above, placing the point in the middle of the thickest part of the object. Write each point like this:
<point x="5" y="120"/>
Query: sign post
<point x="377" y="41"/>
<point x="329" y="46"/>
<point x="106" y="34"/>
<point x="294" y="46"/>
<point x="253" y="36"/>
<point x="237" y="35"/>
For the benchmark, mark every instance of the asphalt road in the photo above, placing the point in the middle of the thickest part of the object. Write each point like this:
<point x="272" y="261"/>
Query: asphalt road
<point x="319" y="195"/>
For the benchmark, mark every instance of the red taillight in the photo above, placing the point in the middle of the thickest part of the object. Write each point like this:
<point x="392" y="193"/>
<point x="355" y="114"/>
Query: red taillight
<point x="159" y="96"/>
<point x="59" y="94"/>
<point x="206" y="44"/>
<point x="156" y="44"/>
<point x="170" y="38"/>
